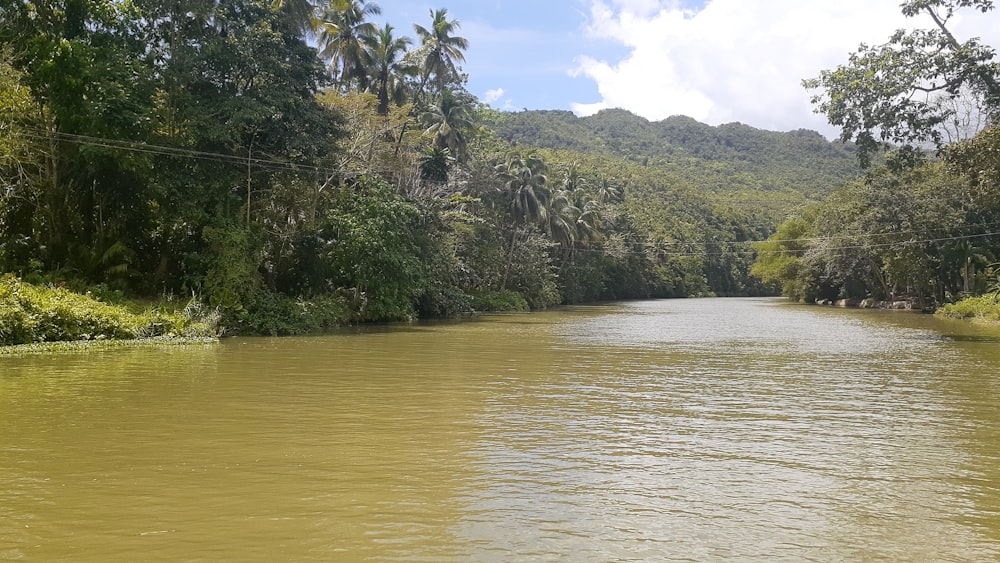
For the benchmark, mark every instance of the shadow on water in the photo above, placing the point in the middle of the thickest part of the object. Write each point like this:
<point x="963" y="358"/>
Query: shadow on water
<point x="972" y="338"/>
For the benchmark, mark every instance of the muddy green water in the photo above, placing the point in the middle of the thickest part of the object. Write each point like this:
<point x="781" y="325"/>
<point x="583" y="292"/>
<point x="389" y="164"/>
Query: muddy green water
<point x="665" y="430"/>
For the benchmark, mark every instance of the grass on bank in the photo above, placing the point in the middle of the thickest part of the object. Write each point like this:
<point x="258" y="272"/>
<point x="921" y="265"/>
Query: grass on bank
<point x="32" y="314"/>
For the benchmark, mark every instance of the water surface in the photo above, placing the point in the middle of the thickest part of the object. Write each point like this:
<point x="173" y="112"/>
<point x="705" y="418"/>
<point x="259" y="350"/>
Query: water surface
<point x="740" y="429"/>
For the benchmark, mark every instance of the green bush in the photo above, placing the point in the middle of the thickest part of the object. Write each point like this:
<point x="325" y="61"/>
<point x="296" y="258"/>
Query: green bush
<point x="985" y="307"/>
<point x="443" y="301"/>
<point x="499" y="301"/>
<point x="274" y="314"/>
<point x="31" y="313"/>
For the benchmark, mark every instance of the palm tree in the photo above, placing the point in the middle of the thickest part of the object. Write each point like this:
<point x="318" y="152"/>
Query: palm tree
<point x="386" y="67"/>
<point x="608" y="191"/>
<point x="440" y="50"/>
<point x="574" y="214"/>
<point x="572" y="179"/>
<point x="586" y="201"/>
<point x="449" y="121"/>
<point x="341" y="29"/>
<point x="435" y="165"/>
<point x="590" y="221"/>
<point x="524" y="184"/>
<point x="966" y="256"/>
<point x="560" y="219"/>
<point x="301" y="14"/>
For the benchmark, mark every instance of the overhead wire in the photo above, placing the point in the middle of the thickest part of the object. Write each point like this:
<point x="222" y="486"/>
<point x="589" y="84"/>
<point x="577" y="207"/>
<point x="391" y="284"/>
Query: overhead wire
<point x="923" y="231"/>
<point x="653" y="249"/>
<point x="651" y="245"/>
<point x="163" y="150"/>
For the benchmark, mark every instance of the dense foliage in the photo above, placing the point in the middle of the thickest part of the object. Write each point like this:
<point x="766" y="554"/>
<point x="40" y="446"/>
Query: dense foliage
<point x="923" y="87"/>
<point x="912" y="234"/>
<point x="693" y="197"/>
<point x="30" y="313"/>
<point x="297" y="167"/>
<point x="920" y="229"/>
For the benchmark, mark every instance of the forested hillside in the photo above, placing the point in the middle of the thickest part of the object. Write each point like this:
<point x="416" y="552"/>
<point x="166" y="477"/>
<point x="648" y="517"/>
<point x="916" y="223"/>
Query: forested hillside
<point x="727" y="159"/>
<point x="697" y="195"/>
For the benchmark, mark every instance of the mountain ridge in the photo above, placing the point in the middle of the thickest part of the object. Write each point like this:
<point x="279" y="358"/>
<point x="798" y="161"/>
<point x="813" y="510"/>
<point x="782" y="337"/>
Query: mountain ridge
<point x="800" y="160"/>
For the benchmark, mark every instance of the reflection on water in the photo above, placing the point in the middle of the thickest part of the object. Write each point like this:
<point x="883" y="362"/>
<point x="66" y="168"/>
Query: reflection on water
<point x="664" y="430"/>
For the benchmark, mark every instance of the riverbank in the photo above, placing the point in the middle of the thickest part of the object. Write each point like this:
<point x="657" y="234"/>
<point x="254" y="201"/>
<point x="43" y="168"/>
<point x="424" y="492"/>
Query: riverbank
<point x="36" y="318"/>
<point x="985" y="308"/>
<point x="43" y="314"/>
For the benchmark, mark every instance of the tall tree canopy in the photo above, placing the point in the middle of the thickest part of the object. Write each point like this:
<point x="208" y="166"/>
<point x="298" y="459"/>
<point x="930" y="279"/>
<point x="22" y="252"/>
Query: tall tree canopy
<point x="341" y="28"/>
<point x="386" y="66"/>
<point x="901" y="92"/>
<point x="441" y="50"/>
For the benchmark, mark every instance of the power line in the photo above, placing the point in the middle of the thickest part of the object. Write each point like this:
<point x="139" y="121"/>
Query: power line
<point x="652" y="245"/>
<point x="923" y="232"/>
<point x="651" y="248"/>
<point x="162" y="150"/>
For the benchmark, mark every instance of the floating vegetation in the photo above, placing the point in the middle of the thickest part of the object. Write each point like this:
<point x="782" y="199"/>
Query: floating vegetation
<point x="101" y="345"/>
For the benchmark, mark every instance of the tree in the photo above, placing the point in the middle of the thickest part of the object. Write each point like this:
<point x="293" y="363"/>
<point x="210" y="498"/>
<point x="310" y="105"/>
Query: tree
<point x="574" y="214"/>
<point x="435" y="164"/>
<point x="894" y="93"/>
<point x="524" y="184"/>
<point x="21" y="166"/>
<point x="301" y="14"/>
<point x="560" y="219"/>
<point x="441" y="51"/>
<point x="780" y="260"/>
<point x="450" y="121"/>
<point x="88" y="195"/>
<point x="375" y="145"/>
<point x="978" y="159"/>
<point x="341" y="29"/>
<point x="385" y="66"/>
<point x="368" y="239"/>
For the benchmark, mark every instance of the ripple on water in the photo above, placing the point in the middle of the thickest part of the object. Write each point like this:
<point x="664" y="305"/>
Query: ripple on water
<point x="664" y="430"/>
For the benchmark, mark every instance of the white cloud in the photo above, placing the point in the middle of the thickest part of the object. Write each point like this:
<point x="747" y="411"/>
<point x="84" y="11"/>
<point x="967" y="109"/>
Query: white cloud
<point x="493" y="95"/>
<point x="736" y="60"/>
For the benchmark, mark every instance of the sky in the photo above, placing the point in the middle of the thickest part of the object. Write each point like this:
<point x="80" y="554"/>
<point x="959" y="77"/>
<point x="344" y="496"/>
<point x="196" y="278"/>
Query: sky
<point x="718" y="61"/>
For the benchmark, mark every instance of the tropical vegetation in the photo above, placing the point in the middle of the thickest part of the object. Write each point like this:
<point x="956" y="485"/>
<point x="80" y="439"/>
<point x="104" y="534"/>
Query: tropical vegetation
<point x="30" y="314"/>
<point x="922" y="227"/>
<point x="295" y="166"/>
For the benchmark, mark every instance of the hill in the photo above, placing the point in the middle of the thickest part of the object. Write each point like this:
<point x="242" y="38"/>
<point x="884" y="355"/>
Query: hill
<point x="726" y="160"/>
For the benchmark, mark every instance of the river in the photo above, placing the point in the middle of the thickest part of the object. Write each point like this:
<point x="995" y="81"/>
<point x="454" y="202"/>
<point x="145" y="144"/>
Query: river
<point x="686" y="430"/>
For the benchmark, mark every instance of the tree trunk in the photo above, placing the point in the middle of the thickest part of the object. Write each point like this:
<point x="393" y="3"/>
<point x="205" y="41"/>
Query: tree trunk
<point x="510" y="260"/>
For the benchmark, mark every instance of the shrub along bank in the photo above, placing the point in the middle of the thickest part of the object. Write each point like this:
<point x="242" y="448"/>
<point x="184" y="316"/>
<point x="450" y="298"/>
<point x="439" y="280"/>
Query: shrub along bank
<point x="984" y="307"/>
<point x="36" y="313"/>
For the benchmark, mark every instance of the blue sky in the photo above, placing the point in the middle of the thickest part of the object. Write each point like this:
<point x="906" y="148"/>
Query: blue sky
<point x="718" y="61"/>
<point x="530" y="58"/>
